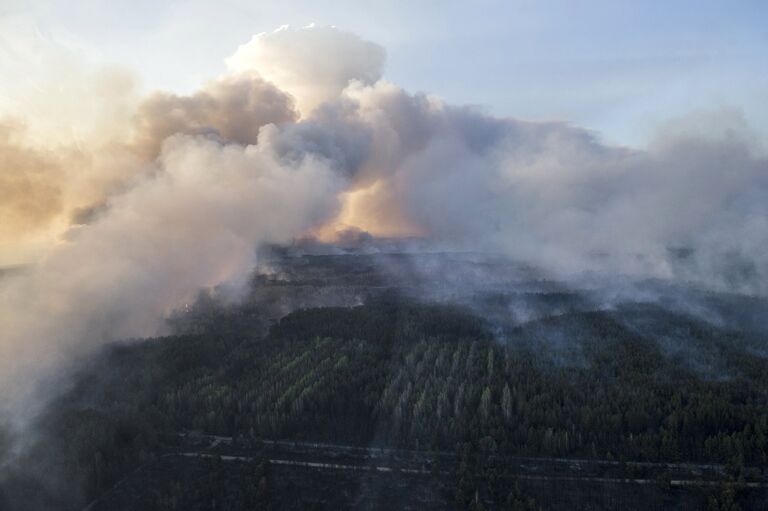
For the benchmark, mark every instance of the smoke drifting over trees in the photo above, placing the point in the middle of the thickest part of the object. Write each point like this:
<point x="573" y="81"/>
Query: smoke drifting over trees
<point x="304" y="136"/>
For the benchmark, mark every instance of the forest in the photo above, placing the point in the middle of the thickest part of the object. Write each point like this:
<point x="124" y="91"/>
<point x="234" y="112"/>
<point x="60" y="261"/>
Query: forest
<point x="402" y="373"/>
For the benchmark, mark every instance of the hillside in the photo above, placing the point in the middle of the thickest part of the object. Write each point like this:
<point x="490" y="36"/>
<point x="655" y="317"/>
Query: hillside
<point x="471" y="364"/>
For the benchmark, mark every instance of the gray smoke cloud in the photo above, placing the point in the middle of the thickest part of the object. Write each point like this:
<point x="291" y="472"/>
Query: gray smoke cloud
<point x="233" y="107"/>
<point x="691" y="205"/>
<point x="304" y="136"/>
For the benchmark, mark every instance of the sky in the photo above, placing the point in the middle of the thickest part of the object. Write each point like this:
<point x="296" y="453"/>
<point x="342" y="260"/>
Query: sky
<point x="620" y="68"/>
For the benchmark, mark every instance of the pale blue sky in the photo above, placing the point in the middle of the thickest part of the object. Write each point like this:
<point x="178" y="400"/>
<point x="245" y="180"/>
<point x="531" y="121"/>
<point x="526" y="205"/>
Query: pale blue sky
<point x="619" y="67"/>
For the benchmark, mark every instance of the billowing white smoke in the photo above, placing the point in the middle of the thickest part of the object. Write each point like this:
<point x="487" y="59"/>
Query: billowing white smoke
<point x="694" y="205"/>
<point x="554" y="196"/>
<point x="239" y="166"/>
<point x="194" y="224"/>
<point x="314" y="64"/>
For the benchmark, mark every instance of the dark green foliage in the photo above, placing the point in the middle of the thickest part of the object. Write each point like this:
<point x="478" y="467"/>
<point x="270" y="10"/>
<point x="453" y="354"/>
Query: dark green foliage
<point x="395" y="373"/>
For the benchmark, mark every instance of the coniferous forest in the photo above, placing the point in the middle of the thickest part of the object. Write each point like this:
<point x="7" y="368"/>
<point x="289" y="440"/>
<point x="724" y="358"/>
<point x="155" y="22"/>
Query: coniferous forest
<point x="627" y="389"/>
